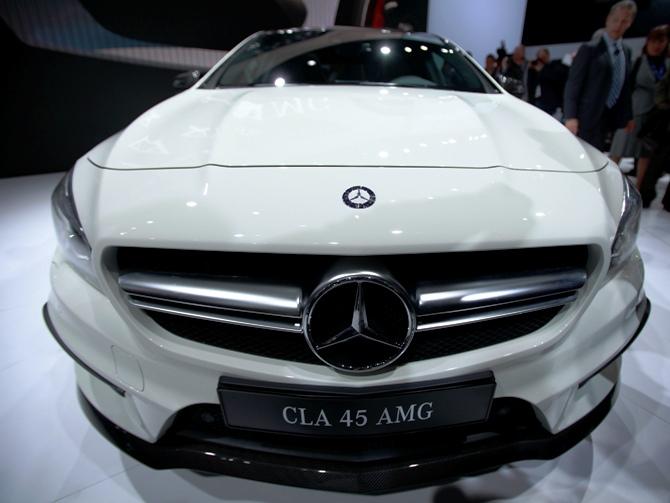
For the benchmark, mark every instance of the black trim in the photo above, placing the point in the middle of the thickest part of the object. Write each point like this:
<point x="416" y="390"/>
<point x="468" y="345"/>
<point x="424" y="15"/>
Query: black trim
<point x="443" y="458"/>
<point x="79" y="361"/>
<point x="644" y="305"/>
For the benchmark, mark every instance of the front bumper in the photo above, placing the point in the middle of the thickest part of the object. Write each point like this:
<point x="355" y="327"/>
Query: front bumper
<point x="198" y="439"/>
<point x="156" y="396"/>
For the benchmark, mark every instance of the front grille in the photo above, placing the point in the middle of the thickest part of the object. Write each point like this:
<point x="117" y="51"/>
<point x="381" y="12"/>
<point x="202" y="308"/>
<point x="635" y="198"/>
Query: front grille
<point x="291" y="347"/>
<point x="255" y="303"/>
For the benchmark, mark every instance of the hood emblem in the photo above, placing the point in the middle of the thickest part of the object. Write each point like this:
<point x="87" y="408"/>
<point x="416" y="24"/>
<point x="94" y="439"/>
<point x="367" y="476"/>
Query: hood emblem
<point x="359" y="197"/>
<point x="359" y="324"/>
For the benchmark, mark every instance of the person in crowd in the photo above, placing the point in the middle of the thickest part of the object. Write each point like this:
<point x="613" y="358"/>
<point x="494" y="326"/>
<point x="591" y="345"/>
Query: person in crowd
<point x="516" y="68"/>
<point x="655" y="136"/>
<point x="542" y="58"/>
<point x="491" y="65"/>
<point x="597" y="97"/>
<point x="546" y="82"/>
<point x="534" y="71"/>
<point x="501" y="51"/>
<point x="647" y="71"/>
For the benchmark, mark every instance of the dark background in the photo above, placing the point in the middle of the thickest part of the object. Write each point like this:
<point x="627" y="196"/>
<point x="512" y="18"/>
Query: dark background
<point x="575" y="20"/>
<point x="196" y="23"/>
<point x="57" y="106"/>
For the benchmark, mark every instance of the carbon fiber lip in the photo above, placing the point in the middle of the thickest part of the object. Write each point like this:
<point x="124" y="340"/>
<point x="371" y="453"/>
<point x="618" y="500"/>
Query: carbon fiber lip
<point x="440" y="464"/>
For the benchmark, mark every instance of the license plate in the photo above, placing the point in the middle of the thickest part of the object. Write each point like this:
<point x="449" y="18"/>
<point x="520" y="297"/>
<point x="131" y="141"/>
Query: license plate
<point x="326" y="411"/>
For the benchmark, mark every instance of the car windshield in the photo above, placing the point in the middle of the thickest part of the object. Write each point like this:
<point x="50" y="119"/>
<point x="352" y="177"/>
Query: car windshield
<point x="349" y="57"/>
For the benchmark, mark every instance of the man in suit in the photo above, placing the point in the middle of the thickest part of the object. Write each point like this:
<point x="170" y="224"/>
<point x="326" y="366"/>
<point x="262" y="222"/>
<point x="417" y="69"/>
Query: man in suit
<point x="598" y="91"/>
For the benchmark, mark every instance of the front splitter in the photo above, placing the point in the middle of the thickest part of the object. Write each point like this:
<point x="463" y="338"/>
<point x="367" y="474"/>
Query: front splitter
<point x="441" y="465"/>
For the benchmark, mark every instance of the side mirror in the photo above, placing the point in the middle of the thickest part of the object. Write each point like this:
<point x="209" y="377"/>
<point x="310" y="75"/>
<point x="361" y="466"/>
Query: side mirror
<point x="186" y="79"/>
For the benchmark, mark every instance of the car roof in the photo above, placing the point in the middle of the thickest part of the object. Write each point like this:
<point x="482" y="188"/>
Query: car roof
<point x="362" y="33"/>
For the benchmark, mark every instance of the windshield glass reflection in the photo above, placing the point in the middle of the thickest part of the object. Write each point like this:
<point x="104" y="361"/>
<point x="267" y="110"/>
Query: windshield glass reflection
<point x="349" y="57"/>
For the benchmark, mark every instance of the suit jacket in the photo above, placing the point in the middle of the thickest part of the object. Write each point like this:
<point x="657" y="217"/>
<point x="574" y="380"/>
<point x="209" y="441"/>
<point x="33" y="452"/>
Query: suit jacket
<point x="644" y="86"/>
<point x="588" y="85"/>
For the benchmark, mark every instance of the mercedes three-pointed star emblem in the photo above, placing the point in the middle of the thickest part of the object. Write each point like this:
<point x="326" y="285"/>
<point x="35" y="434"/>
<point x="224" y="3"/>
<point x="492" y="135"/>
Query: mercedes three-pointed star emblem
<point x="359" y="197"/>
<point x="359" y="323"/>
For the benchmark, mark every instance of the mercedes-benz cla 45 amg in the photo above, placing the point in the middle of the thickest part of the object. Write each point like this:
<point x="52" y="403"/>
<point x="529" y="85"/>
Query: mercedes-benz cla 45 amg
<point x="345" y="259"/>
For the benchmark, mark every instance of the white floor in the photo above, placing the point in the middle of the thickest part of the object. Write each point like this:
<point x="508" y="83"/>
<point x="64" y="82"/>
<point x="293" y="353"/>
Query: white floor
<point x="49" y="452"/>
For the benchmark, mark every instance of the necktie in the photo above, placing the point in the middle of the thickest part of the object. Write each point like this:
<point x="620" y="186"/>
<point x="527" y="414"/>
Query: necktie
<point x="617" y="77"/>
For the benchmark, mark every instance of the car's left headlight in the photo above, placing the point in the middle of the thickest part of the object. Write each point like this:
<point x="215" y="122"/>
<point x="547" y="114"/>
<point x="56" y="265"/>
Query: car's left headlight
<point x="69" y="231"/>
<point x="624" y="241"/>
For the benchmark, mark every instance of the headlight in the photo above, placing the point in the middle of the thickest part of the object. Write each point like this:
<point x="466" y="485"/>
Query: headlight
<point x="626" y="234"/>
<point x="69" y="232"/>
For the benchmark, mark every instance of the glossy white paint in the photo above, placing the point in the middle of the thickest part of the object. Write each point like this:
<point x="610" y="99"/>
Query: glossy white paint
<point x="346" y="126"/>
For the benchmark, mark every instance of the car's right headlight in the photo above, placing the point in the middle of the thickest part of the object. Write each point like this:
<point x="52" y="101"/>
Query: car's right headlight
<point x="624" y="241"/>
<point x="69" y="231"/>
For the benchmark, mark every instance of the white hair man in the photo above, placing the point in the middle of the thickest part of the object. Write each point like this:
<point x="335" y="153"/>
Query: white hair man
<point x="598" y="92"/>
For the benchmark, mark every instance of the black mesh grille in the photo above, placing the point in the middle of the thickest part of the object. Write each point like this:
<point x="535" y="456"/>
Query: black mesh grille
<point x="269" y="343"/>
<point x="449" y="341"/>
<point x="292" y="347"/>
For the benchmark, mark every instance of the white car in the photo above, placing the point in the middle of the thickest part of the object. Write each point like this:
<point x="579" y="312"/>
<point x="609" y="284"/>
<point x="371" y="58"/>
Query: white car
<point x="346" y="259"/>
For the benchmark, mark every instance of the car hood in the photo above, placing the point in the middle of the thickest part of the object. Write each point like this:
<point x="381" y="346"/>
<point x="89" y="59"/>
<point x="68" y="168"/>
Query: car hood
<point x="345" y="126"/>
<point x="301" y="209"/>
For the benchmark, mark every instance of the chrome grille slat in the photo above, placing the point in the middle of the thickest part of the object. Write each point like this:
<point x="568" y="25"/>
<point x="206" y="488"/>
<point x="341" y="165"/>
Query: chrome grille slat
<point x="462" y="296"/>
<point x="215" y="309"/>
<point x="529" y="301"/>
<point x="279" y="308"/>
<point x="231" y="320"/>
<point x="468" y="318"/>
<point x="237" y="295"/>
